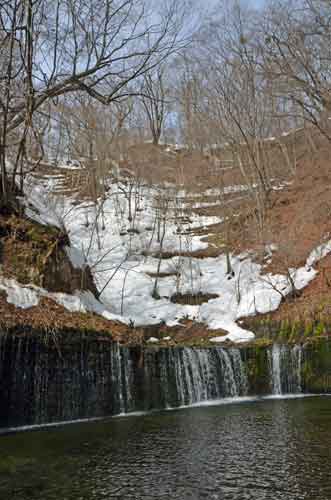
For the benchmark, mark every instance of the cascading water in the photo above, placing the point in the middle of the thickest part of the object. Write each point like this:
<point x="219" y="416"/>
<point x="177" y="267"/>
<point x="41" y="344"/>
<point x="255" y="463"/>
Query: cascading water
<point x="239" y="371"/>
<point x="275" y="369"/>
<point x="285" y="369"/>
<point x="297" y="360"/>
<point x="84" y="376"/>
<point x="190" y="375"/>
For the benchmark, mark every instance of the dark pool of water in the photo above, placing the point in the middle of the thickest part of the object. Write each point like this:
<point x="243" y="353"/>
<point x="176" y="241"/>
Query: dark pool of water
<point x="277" y="449"/>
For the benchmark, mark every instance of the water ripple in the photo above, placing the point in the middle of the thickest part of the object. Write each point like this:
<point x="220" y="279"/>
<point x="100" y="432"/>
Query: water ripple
<point x="271" y="450"/>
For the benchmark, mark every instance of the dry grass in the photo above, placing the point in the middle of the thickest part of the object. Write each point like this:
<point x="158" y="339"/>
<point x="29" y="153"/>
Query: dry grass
<point x="163" y="275"/>
<point x="197" y="254"/>
<point x="193" y="299"/>
<point x="50" y="316"/>
<point x="26" y="247"/>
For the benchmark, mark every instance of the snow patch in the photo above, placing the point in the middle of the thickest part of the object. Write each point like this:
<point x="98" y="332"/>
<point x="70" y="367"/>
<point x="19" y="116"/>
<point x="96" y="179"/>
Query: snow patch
<point x="119" y="249"/>
<point x="76" y="257"/>
<point x="19" y="295"/>
<point x="318" y="253"/>
<point x="153" y="340"/>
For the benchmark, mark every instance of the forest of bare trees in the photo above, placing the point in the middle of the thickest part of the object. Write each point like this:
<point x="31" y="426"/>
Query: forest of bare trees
<point x="86" y="79"/>
<point x="51" y="51"/>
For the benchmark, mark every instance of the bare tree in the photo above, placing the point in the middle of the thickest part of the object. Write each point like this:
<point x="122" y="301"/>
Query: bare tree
<point x="296" y="58"/>
<point x="54" y="48"/>
<point x="195" y="119"/>
<point x="155" y="101"/>
<point x="236" y="102"/>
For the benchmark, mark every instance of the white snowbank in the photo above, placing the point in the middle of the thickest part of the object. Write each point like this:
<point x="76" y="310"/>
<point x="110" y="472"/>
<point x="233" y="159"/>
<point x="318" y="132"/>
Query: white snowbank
<point x="153" y="340"/>
<point x="76" y="257"/>
<point x="318" y="253"/>
<point x="116" y="247"/>
<point x="41" y="206"/>
<point x="19" y="295"/>
<point x="26" y="296"/>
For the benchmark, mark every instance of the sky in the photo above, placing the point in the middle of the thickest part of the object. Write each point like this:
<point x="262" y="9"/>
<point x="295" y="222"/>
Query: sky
<point x="256" y="3"/>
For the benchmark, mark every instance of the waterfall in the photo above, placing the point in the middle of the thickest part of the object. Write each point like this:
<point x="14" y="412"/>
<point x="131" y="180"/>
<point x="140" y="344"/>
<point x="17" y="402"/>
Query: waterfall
<point x="276" y="369"/>
<point x="121" y="375"/>
<point x="83" y="376"/>
<point x="239" y="371"/>
<point x="198" y="375"/>
<point x="297" y="359"/>
<point x="127" y="368"/>
<point x="285" y="369"/>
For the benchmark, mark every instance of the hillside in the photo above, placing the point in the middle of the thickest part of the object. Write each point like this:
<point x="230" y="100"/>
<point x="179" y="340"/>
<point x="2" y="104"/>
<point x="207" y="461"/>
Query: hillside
<point x="171" y="245"/>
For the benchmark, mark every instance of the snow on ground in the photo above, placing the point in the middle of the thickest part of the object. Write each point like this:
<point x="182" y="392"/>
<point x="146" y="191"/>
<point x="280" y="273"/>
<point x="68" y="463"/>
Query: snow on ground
<point x="238" y="188"/>
<point x="19" y="295"/>
<point x="318" y="253"/>
<point x="119" y="250"/>
<point x="70" y="165"/>
<point x="26" y="296"/>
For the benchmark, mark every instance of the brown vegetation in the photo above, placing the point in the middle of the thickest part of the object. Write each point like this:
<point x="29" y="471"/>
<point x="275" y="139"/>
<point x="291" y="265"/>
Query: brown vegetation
<point x="36" y="254"/>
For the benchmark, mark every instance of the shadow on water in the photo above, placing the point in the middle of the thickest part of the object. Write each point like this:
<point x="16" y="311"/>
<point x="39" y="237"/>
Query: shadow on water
<point x="271" y="449"/>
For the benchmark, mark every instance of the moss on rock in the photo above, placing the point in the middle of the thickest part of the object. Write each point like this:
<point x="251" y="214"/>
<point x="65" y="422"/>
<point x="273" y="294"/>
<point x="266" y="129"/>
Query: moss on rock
<point x="33" y="253"/>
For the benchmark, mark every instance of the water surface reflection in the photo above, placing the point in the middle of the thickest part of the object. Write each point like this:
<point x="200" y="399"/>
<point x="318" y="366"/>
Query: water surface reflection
<point x="263" y="450"/>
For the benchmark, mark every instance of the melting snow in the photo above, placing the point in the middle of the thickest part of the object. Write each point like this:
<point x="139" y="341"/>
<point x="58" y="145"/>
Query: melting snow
<point x="153" y="340"/>
<point x="21" y="296"/>
<point x="318" y="253"/>
<point x="118" y="248"/>
<point x="76" y="257"/>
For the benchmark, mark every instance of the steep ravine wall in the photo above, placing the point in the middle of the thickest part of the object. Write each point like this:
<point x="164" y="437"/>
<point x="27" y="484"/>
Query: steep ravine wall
<point x="72" y="375"/>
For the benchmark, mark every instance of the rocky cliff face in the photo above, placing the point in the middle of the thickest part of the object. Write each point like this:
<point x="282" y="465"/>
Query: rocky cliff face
<point x="33" y="253"/>
<point x="59" y="274"/>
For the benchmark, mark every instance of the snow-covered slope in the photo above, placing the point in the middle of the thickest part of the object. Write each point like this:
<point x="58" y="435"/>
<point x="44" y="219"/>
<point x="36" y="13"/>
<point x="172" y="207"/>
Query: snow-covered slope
<point x="120" y="237"/>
